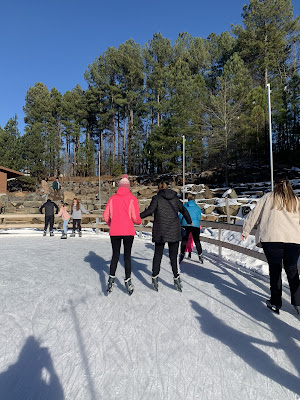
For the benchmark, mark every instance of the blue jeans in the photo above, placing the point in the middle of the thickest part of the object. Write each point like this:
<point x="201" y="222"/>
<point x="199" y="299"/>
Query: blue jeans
<point x="65" y="227"/>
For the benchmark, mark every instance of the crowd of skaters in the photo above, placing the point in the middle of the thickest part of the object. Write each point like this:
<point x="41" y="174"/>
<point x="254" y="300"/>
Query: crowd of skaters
<point x="276" y="215"/>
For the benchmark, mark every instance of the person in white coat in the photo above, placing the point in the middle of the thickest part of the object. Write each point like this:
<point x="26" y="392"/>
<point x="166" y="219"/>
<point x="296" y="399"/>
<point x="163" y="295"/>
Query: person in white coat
<point x="277" y="215"/>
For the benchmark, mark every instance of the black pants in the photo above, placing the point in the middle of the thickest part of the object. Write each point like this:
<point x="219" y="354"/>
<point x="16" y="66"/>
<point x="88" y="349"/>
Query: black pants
<point x="158" y="253"/>
<point x="77" y="222"/>
<point x="196" y="237"/>
<point x="116" y="247"/>
<point x="278" y="253"/>
<point x="49" y="219"/>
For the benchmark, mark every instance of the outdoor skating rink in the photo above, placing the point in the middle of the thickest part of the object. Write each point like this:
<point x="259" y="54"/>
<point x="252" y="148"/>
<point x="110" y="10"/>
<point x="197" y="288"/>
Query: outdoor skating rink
<point x="62" y="337"/>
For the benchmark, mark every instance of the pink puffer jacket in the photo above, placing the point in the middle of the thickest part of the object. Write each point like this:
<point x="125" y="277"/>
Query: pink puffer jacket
<point x="63" y="212"/>
<point x="121" y="213"/>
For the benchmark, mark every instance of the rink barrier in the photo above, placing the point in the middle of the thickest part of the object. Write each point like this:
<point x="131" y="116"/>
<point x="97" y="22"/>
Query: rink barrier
<point x="101" y="225"/>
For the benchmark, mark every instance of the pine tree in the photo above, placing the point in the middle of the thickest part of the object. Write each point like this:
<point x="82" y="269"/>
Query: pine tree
<point x="10" y="145"/>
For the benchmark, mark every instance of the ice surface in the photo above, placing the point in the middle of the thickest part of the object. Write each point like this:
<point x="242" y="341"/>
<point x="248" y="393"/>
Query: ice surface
<point x="62" y="337"/>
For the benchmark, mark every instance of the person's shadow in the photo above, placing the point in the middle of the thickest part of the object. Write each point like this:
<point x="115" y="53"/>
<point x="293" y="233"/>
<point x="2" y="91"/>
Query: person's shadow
<point x="230" y="282"/>
<point x="101" y="266"/>
<point x="32" y="376"/>
<point x="246" y="347"/>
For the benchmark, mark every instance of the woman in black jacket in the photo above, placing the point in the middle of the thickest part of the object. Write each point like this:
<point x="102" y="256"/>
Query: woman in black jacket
<point x="166" y="228"/>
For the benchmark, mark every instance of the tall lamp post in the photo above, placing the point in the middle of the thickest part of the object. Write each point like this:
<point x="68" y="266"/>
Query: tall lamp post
<point x="270" y="137"/>
<point x="183" y="164"/>
<point x="99" y="162"/>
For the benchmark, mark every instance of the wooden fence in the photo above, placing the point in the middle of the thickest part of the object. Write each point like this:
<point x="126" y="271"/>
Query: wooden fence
<point x="96" y="222"/>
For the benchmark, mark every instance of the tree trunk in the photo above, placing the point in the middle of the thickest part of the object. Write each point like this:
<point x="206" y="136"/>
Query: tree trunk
<point x="157" y="109"/>
<point x="124" y="143"/>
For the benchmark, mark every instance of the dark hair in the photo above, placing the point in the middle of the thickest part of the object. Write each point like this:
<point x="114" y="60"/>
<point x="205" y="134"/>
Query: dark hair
<point x="162" y="185"/>
<point x="191" y="196"/>
<point x="77" y="205"/>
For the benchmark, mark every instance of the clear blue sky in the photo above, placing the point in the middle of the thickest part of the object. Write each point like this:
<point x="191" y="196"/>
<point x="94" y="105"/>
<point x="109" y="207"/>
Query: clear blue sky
<point x="54" y="41"/>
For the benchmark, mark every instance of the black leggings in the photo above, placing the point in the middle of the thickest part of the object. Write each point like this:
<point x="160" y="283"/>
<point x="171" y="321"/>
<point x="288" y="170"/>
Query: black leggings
<point x="158" y="253"/>
<point x="116" y="247"/>
<point x="49" y="219"/>
<point x="278" y="253"/>
<point x="196" y="237"/>
<point x="78" y="223"/>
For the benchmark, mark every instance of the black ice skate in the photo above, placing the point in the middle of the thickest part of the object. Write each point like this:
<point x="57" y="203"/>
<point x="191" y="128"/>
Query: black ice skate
<point x="190" y="255"/>
<point x="177" y="283"/>
<point x="129" y="286"/>
<point x="181" y="257"/>
<point x="51" y="233"/>
<point x="155" y="282"/>
<point x="80" y="234"/>
<point x="64" y="236"/>
<point x="275" y="309"/>
<point x="201" y="258"/>
<point x="297" y="308"/>
<point x="72" y="234"/>
<point x="110" y="283"/>
<point x="44" y="233"/>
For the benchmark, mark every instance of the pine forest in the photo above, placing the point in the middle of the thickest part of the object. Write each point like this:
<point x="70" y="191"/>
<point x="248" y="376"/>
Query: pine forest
<point x="141" y="99"/>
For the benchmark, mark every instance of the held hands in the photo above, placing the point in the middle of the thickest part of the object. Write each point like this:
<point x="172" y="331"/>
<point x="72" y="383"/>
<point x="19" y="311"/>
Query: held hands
<point x="243" y="237"/>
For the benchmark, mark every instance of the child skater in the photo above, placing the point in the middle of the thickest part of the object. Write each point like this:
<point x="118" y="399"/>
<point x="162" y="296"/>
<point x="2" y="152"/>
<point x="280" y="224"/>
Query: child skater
<point x="63" y="212"/>
<point x="76" y="210"/>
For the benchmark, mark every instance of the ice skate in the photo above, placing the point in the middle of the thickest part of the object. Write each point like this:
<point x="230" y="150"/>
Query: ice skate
<point x="201" y="258"/>
<point x="181" y="257"/>
<point x="129" y="286"/>
<point x="190" y="255"/>
<point x="51" y="233"/>
<point x="110" y="283"/>
<point x="44" y="233"/>
<point x="64" y="236"/>
<point x="275" y="309"/>
<point x="155" y="282"/>
<point x="80" y="234"/>
<point x="177" y="283"/>
<point x="297" y="308"/>
<point x="72" y="234"/>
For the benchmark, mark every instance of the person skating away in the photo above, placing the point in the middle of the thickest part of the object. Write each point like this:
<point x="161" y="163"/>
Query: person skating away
<point x="63" y="212"/>
<point x="278" y="217"/>
<point x="76" y="211"/>
<point x="194" y="229"/>
<point x="166" y="229"/>
<point x="49" y="215"/>
<point x="120" y="214"/>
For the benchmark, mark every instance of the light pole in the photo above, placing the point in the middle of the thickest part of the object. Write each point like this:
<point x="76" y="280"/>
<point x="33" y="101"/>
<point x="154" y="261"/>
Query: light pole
<point x="270" y="137"/>
<point x="183" y="164"/>
<point x="99" y="162"/>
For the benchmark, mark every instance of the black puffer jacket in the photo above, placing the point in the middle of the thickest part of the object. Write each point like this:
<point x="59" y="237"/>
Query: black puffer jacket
<point x="165" y="207"/>
<point x="49" y="208"/>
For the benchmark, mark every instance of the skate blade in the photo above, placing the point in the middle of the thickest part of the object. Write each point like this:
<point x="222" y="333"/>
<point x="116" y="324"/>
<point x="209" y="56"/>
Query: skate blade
<point x="272" y="308"/>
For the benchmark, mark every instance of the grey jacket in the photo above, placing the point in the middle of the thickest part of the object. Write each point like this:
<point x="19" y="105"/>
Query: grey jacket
<point x="76" y="214"/>
<point x="273" y="225"/>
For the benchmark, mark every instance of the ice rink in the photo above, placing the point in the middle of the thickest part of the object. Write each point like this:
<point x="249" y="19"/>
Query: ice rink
<point x="62" y="337"/>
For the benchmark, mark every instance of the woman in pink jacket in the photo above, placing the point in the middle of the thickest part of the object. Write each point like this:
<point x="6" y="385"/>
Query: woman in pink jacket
<point x="120" y="214"/>
<point x="63" y="212"/>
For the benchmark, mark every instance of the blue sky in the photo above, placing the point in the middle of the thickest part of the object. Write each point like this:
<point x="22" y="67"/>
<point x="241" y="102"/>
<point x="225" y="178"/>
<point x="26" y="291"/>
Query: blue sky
<point x="54" y="41"/>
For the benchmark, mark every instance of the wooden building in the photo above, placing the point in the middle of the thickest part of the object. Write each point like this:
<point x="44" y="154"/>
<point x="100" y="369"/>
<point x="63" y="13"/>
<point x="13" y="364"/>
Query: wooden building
<point x="6" y="173"/>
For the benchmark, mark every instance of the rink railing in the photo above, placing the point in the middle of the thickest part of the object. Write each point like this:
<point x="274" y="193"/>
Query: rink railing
<point x="36" y="221"/>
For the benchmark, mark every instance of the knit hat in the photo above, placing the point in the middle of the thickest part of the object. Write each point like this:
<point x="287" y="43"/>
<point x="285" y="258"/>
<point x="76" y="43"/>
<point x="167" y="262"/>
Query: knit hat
<point x="124" y="182"/>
